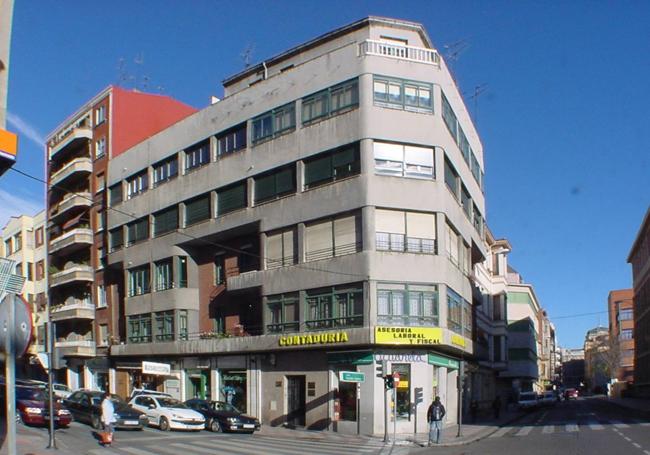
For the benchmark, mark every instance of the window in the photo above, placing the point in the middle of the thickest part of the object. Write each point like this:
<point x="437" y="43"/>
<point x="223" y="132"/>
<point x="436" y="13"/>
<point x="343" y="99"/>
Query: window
<point x="139" y="280"/>
<point x="275" y="185"/>
<point x="115" y="194"/>
<point x="100" y="115"/>
<point x="103" y="335"/>
<point x="139" y="328"/>
<point x="100" y="182"/>
<point x="333" y="237"/>
<point x="340" y="306"/>
<point x="451" y="178"/>
<point x="19" y="269"/>
<point x="100" y="147"/>
<point x="101" y="296"/>
<point x="454" y="311"/>
<point x="164" y="325"/>
<point x="137" y="184"/>
<point x="231" y="140"/>
<point x="165" y="170"/>
<point x="331" y="101"/>
<point x="40" y="270"/>
<point x="457" y="251"/>
<point x="8" y="244"/>
<point x="182" y="324"/>
<point x="477" y="220"/>
<point x="163" y="275"/>
<point x="403" y="94"/>
<point x="403" y="391"/>
<point x="18" y="242"/>
<point x="219" y="269"/>
<point x="137" y="231"/>
<point x="467" y="319"/>
<point x="403" y="160"/>
<point x="101" y="258"/>
<point x="281" y="249"/>
<point x="197" y="155"/>
<point x="332" y="166"/>
<point x="165" y="221"/>
<point x="99" y="221"/>
<point x="197" y="210"/>
<point x="626" y="334"/>
<point x="182" y="271"/>
<point x="231" y="198"/>
<point x="476" y="170"/>
<point x="405" y="231"/>
<point x="38" y="237"/>
<point x="463" y="144"/>
<point x="273" y="123"/>
<point x="466" y="201"/>
<point x="115" y="239"/>
<point x="410" y="305"/>
<point x="449" y="117"/>
<point x="625" y="315"/>
<point x="283" y="309"/>
<point x="30" y="271"/>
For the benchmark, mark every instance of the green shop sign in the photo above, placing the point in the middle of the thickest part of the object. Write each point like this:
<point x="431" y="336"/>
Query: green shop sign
<point x="441" y="361"/>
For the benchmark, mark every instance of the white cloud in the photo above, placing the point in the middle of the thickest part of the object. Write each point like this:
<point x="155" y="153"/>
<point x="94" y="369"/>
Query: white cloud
<point x="12" y="205"/>
<point x="25" y="129"/>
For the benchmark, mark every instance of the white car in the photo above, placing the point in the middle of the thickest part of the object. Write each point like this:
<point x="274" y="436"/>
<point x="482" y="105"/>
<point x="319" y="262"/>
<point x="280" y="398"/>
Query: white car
<point x="168" y="413"/>
<point x="527" y="400"/>
<point x="61" y="391"/>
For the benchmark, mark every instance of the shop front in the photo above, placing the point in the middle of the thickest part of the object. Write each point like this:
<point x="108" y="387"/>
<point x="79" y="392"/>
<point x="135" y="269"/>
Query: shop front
<point x="130" y="375"/>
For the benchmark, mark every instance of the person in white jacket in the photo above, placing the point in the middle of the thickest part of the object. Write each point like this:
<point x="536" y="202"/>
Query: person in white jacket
<point x="108" y="413"/>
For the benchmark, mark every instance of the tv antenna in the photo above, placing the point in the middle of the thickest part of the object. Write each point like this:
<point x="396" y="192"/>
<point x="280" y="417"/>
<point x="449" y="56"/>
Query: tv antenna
<point x="478" y="91"/>
<point x="247" y="55"/>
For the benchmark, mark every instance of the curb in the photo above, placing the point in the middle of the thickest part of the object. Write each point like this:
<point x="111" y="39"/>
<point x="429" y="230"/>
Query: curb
<point x="645" y="413"/>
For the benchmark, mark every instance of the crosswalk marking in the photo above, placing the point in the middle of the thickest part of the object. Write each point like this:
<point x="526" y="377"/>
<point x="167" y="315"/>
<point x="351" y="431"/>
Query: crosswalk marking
<point x="360" y="446"/>
<point x="571" y="427"/>
<point x="619" y="424"/>
<point x="136" y="451"/>
<point x="500" y="432"/>
<point x="174" y="451"/>
<point x="288" y="447"/>
<point x="595" y="425"/>
<point x="102" y="451"/>
<point x="524" y="431"/>
<point x="548" y="429"/>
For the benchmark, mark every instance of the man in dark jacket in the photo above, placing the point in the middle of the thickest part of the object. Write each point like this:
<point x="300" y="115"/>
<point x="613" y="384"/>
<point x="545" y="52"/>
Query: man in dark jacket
<point x="435" y="414"/>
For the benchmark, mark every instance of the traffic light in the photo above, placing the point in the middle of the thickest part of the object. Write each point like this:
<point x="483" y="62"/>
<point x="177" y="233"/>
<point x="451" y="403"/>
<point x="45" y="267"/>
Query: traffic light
<point x="418" y="395"/>
<point x="381" y="368"/>
<point x="389" y="382"/>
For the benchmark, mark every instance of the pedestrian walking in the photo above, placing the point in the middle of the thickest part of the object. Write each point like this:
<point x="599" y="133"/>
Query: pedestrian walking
<point x="108" y="419"/>
<point x="435" y="414"/>
<point x="496" y="406"/>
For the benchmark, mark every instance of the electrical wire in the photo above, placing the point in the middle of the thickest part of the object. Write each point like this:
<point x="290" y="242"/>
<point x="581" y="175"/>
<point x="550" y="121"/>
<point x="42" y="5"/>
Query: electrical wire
<point x="579" y="315"/>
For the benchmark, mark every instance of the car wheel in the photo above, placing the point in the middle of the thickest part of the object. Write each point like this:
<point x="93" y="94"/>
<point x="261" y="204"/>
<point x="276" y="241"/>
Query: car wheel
<point x="215" y="426"/>
<point x="164" y="424"/>
<point x="94" y="422"/>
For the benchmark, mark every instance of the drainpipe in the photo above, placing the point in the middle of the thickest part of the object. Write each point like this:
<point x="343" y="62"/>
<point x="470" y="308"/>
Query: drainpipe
<point x="266" y="71"/>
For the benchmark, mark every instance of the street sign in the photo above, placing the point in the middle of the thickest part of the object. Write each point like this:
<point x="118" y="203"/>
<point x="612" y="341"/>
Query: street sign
<point x="22" y="329"/>
<point x="351" y="376"/>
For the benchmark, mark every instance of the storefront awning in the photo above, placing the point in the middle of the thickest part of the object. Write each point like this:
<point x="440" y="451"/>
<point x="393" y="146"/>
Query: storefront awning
<point x="351" y="358"/>
<point x="442" y="361"/>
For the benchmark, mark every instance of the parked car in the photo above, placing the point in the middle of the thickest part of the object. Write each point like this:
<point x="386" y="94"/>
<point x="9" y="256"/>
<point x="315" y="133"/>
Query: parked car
<point x="548" y="398"/>
<point x="527" y="400"/>
<point x="85" y="406"/>
<point x="33" y="408"/>
<point x="571" y="394"/>
<point x="221" y="416"/>
<point x="168" y="413"/>
<point x="60" y="390"/>
<point x="136" y="392"/>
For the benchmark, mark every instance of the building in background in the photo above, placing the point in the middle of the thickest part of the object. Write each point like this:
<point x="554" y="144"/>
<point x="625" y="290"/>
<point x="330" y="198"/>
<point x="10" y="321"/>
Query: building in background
<point x="23" y="240"/>
<point x="323" y="216"/>
<point x="639" y="257"/>
<point x="598" y="360"/>
<point x="573" y="368"/>
<point x="621" y="333"/>
<point x="546" y="351"/>
<point x="77" y="153"/>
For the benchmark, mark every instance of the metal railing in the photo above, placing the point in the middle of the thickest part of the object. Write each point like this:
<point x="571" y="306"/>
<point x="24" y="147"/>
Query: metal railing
<point x="400" y="52"/>
<point x="328" y="323"/>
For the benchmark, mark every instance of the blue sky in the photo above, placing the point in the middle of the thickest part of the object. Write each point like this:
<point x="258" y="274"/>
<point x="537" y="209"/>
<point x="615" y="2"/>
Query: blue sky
<point x="563" y="115"/>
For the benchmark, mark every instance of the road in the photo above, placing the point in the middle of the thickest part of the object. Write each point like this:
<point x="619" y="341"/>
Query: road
<point x="587" y="426"/>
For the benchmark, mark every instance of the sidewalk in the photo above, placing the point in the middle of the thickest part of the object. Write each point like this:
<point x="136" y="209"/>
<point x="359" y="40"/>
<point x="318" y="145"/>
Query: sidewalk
<point x="641" y="406"/>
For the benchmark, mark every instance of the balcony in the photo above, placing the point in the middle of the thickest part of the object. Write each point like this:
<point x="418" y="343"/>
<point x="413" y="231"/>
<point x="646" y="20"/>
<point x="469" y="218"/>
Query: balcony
<point x="77" y="310"/>
<point x="81" y="166"/>
<point x="71" y="203"/>
<point x="72" y="241"/>
<point x="72" y="138"/>
<point x="400" y="52"/>
<point x="76" y="348"/>
<point x="78" y="272"/>
<point x="245" y="280"/>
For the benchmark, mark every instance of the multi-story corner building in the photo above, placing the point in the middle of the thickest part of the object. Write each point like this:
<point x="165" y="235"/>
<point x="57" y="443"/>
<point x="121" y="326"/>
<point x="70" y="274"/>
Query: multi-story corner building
<point x="621" y="333"/>
<point x="323" y="216"/>
<point x="597" y="359"/>
<point x="639" y="257"/>
<point x="78" y="152"/>
<point x="491" y="320"/>
<point x="523" y="335"/>
<point x="23" y="241"/>
<point x="573" y="368"/>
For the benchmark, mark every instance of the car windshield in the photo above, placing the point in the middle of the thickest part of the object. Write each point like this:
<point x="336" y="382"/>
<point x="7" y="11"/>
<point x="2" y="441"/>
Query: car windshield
<point x="171" y="403"/>
<point x="28" y="393"/>
<point x="223" y="406"/>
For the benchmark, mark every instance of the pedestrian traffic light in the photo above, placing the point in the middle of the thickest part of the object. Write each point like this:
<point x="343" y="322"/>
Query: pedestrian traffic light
<point x="381" y="368"/>
<point x="418" y="395"/>
<point x="389" y="382"/>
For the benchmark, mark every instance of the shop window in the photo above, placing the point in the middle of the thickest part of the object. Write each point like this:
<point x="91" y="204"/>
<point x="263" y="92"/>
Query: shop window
<point x="346" y="395"/>
<point x="233" y="389"/>
<point x="403" y="390"/>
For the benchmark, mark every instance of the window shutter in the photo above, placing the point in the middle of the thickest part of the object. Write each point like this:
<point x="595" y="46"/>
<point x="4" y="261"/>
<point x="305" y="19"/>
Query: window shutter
<point x="390" y="221"/>
<point x="422" y="156"/>
<point x="346" y="235"/>
<point x="318" y="170"/>
<point x="232" y="198"/>
<point x="274" y="251"/>
<point x="288" y="239"/>
<point x="285" y="181"/>
<point x="421" y="225"/>
<point x="264" y="188"/>
<point x="319" y="242"/>
<point x="197" y="210"/>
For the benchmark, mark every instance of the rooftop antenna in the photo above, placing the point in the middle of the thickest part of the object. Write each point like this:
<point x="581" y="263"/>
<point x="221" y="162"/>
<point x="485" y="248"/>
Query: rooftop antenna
<point x="478" y="91"/>
<point x="139" y="61"/>
<point x="247" y="55"/>
<point x="122" y="75"/>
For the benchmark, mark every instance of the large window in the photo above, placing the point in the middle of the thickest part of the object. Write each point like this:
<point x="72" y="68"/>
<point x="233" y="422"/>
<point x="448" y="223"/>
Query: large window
<point x="273" y="123"/>
<point x="331" y="166"/>
<point x="283" y="311"/>
<point x="165" y="170"/>
<point x="333" y="237"/>
<point x="219" y="269"/>
<point x="411" y="305"/>
<point x="405" y="231"/>
<point x="625" y="315"/>
<point x="198" y="155"/>
<point x="403" y="94"/>
<point x="403" y="390"/>
<point x="163" y="275"/>
<point x="164" y="325"/>
<point x="331" y="101"/>
<point x="115" y="194"/>
<point x="139" y="280"/>
<point x="115" y="239"/>
<point x="626" y="334"/>
<point x="451" y="178"/>
<point x="454" y="311"/>
<point x="231" y="198"/>
<point x="457" y="251"/>
<point x="100" y="147"/>
<point x="449" y="118"/>
<point x="137" y="231"/>
<point x="477" y="220"/>
<point x="198" y="209"/>
<point x="281" y="248"/>
<point x="139" y="328"/>
<point x="403" y="160"/>
<point x="232" y="140"/>
<point x="137" y="184"/>
<point x="341" y="306"/>
<point x="165" y="221"/>
<point x="275" y="184"/>
<point x="466" y="201"/>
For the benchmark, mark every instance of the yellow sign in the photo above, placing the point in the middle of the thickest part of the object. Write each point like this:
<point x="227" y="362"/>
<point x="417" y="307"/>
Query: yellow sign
<point x="318" y="338"/>
<point x="408" y="335"/>
<point x="402" y="384"/>
<point x="458" y="340"/>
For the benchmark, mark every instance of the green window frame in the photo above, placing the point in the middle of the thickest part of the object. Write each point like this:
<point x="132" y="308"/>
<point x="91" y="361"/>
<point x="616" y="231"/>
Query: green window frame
<point x="197" y="155"/>
<point x="403" y="94"/>
<point x="231" y="140"/>
<point x="165" y="221"/>
<point x="283" y="313"/>
<point x="139" y="328"/>
<point x="137" y="231"/>
<point x="273" y="123"/>
<point x="164" y="325"/>
<point x="274" y="185"/>
<point x="332" y="165"/>
<point x="219" y="269"/>
<point x="408" y="304"/>
<point x="182" y="325"/>
<point x="163" y="275"/>
<point x="452" y="180"/>
<point x="181" y="265"/>
<point x="331" y="101"/>
<point x="139" y="280"/>
<point x="340" y="306"/>
<point x="165" y="170"/>
<point x="232" y="198"/>
<point x="197" y="210"/>
<point x="454" y="311"/>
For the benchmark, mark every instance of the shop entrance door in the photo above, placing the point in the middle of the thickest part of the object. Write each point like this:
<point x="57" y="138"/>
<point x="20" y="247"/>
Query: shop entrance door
<point x="197" y="384"/>
<point x="296" y="400"/>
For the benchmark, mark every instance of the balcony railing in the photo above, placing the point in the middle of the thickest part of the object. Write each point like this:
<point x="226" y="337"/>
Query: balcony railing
<point x="78" y="272"/>
<point x="400" y="52"/>
<point x="82" y="199"/>
<point x="78" y="165"/>
<point x="328" y="323"/>
<point x="408" y="320"/>
<point x="77" y="310"/>
<point x="85" y="348"/>
<point x="81" y="237"/>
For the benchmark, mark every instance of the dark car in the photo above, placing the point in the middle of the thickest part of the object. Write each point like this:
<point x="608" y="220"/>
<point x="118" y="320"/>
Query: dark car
<point x="33" y="408"/>
<point x="571" y="394"/>
<point x="221" y="416"/>
<point x="85" y="406"/>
